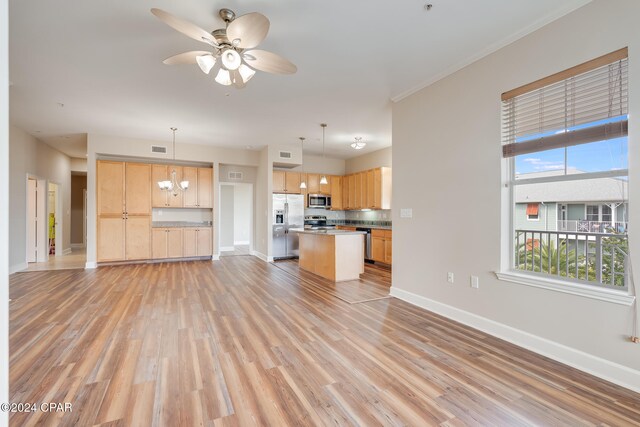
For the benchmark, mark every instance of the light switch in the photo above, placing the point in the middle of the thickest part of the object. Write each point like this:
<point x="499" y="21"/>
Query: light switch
<point x="475" y="282"/>
<point x="406" y="213"/>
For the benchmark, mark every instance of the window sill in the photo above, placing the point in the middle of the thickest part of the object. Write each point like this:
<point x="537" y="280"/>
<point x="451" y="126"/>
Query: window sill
<point x="588" y="291"/>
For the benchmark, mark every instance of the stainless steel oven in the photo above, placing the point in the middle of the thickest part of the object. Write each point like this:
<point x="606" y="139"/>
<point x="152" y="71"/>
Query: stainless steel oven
<point x="319" y="201"/>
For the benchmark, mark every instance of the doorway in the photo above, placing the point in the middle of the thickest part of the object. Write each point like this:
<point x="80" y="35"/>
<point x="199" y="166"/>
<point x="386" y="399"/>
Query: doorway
<point x="236" y="219"/>
<point x="54" y="217"/>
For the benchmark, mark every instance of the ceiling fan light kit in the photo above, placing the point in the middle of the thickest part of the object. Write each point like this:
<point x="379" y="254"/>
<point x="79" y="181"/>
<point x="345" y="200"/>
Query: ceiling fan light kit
<point x="237" y="65"/>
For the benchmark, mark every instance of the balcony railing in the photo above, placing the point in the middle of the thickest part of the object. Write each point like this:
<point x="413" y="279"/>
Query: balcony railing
<point x="599" y="259"/>
<point x="592" y="226"/>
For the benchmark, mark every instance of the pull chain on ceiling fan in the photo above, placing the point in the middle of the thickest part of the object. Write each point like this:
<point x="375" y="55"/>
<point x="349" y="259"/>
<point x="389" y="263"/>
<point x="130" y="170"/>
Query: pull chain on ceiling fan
<point x="231" y="62"/>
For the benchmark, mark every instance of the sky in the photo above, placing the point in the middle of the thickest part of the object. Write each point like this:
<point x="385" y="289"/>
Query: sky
<point x="598" y="156"/>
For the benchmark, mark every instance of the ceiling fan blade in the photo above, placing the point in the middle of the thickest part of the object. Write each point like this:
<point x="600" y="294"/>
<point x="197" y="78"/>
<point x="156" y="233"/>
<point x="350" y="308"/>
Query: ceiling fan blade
<point x="185" y="58"/>
<point x="185" y="27"/>
<point x="269" y="62"/>
<point x="249" y="29"/>
<point x="236" y="78"/>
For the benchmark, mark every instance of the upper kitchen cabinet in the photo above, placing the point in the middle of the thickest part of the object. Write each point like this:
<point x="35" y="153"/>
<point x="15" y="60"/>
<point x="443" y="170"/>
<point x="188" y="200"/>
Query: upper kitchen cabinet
<point x="313" y="183"/>
<point x="123" y="188"/>
<point x="369" y="189"/>
<point x="336" y="193"/>
<point x="162" y="198"/>
<point x="325" y="188"/>
<point x="200" y="191"/>
<point x="286" y="182"/>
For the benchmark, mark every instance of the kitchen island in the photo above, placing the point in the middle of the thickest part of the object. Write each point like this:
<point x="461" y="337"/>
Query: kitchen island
<point x="337" y="255"/>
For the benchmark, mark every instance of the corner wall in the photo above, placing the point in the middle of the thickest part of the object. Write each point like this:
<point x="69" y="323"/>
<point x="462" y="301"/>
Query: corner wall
<point x="28" y="156"/>
<point x="447" y="139"/>
<point x="4" y="207"/>
<point x="375" y="159"/>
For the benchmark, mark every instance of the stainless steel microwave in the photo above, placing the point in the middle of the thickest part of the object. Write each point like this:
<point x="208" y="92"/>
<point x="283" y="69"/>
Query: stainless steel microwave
<point x="319" y="201"/>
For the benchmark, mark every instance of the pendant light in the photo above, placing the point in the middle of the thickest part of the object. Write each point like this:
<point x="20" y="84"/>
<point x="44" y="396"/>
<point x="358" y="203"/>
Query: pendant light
<point x="172" y="185"/>
<point x="323" y="178"/>
<point x="303" y="184"/>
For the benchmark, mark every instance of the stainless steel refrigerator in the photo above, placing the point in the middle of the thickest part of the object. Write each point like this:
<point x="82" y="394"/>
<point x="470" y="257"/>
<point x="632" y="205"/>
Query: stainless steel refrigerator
<point x="288" y="213"/>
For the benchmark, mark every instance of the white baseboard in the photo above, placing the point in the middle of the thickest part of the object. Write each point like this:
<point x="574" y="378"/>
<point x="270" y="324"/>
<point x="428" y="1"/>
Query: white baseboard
<point x="260" y="255"/>
<point x="227" y="248"/>
<point x="18" y="267"/>
<point x="66" y="251"/>
<point x="602" y="368"/>
<point x="91" y="265"/>
<point x="243" y="242"/>
<point x="215" y="257"/>
<point x="77" y="245"/>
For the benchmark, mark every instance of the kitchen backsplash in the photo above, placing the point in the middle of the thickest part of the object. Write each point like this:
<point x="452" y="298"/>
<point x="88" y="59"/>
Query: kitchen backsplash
<point x="379" y="217"/>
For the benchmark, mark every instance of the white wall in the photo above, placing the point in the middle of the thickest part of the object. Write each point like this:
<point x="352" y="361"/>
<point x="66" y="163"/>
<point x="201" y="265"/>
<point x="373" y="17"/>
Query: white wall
<point x="226" y="215"/>
<point x="4" y="207"/>
<point x="30" y="156"/>
<point x="242" y="196"/>
<point x="318" y="164"/>
<point x="263" y="203"/>
<point x="447" y="139"/>
<point x="109" y="145"/>
<point x="375" y="159"/>
<point x="78" y="165"/>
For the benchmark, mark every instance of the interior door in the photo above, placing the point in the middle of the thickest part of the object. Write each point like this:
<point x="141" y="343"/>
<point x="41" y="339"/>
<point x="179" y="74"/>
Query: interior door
<point x="32" y="220"/>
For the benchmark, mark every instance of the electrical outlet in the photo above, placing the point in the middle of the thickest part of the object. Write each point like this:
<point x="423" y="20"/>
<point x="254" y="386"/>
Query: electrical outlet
<point x="475" y="282"/>
<point x="450" y="277"/>
<point x="160" y="212"/>
<point x="406" y="213"/>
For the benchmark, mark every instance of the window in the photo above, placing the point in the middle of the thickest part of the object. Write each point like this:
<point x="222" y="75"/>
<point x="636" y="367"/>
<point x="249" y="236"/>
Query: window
<point x="565" y="145"/>
<point x="593" y="213"/>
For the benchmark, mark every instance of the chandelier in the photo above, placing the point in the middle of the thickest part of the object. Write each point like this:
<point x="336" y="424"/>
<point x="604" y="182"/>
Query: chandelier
<point x="172" y="185"/>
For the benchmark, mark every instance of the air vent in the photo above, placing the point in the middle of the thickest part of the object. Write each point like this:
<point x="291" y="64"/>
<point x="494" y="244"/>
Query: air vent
<point x="158" y="149"/>
<point x="236" y="176"/>
<point x="285" y="154"/>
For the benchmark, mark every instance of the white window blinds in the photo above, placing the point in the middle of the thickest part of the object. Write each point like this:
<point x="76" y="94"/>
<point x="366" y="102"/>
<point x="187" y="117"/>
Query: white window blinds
<point x="584" y="104"/>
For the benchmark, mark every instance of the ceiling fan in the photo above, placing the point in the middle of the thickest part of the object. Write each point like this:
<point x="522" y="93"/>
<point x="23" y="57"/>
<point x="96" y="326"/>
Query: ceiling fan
<point x="233" y="58"/>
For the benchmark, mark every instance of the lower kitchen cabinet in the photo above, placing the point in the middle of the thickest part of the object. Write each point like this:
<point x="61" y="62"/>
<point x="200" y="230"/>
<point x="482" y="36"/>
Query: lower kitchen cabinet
<point x="197" y="241"/>
<point x="124" y="237"/>
<point x="167" y="243"/>
<point x="381" y="244"/>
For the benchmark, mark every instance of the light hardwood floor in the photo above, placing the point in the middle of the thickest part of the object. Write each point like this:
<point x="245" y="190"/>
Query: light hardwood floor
<point x="242" y="342"/>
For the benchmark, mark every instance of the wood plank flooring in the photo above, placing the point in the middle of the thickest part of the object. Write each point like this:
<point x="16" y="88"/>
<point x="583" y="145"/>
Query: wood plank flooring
<point x="373" y="284"/>
<point x="240" y="342"/>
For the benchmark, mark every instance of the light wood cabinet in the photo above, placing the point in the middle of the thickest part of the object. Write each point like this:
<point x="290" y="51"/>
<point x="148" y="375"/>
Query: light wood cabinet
<point x="124" y="211"/>
<point x="162" y="198"/>
<point x="292" y="182"/>
<point x="369" y="189"/>
<point x="197" y="241"/>
<point x="110" y="187"/>
<point x="110" y="233"/>
<point x="336" y="193"/>
<point x="325" y="188"/>
<point x="286" y="182"/>
<point x="279" y="182"/>
<point x="200" y="193"/>
<point x="381" y="246"/>
<point x="167" y="243"/>
<point x="313" y="183"/>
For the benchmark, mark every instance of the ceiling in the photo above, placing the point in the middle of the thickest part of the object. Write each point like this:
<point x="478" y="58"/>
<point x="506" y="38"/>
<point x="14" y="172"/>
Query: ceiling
<point x="79" y="67"/>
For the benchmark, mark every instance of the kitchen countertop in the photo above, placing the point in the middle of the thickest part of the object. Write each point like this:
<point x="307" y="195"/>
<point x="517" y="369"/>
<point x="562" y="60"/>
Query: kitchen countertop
<point x="373" y="227"/>
<point x="179" y="224"/>
<point x="329" y="232"/>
